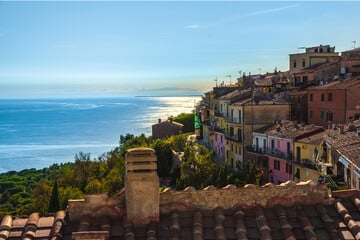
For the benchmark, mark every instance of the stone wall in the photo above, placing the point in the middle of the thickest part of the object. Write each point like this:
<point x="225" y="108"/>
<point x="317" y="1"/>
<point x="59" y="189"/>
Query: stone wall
<point x="229" y="197"/>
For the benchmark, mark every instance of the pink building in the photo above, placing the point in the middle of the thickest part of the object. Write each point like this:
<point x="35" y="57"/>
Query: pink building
<point x="219" y="144"/>
<point x="280" y="148"/>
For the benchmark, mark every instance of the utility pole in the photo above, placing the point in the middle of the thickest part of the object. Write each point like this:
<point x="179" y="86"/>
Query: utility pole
<point x="229" y="76"/>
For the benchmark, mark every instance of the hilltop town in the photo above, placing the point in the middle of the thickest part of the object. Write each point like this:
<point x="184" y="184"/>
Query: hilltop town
<point x="302" y="124"/>
<point x="299" y="128"/>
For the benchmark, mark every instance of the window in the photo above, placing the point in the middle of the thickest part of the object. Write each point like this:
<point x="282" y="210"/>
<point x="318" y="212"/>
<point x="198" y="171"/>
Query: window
<point x="264" y="144"/>
<point x="311" y="113"/>
<point x="294" y="64"/>
<point x="329" y="97"/>
<point x="288" y="147"/>
<point x="277" y="164"/>
<point x="304" y="79"/>
<point x="239" y="117"/>
<point x="239" y="136"/>
<point x="303" y="63"/>
<point x="272" y="144"/>
<point x="322" y="97"/>
<point x="216" y="137"/>
<point x="322" y="115"/>
<point x="288" y="168"/>
<point x="329" y="116"/>
<point x="232" y="147"/>
<point x="311" y="97"/>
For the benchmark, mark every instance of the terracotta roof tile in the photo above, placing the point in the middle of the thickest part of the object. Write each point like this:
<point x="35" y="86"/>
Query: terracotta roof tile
<point x="33" y="227"/>
<point x="341" y="84"/>
<point x="312" y="217"/>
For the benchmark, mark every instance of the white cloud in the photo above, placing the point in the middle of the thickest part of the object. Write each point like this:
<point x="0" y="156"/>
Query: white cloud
<point x="193" y="26"/>
<point x="271" y="10"/>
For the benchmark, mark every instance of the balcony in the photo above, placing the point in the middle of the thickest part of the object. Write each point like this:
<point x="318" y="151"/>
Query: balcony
<point x="278" y="154"/>
<point x="233" y="120"/>
<point x="254" y="149"/>
<point x="219" y="114"/>
<point x="217" y="129"/>
<point x="307" y="163"/>
<point x="270" y="152"/>
<point x="234" y="138"/>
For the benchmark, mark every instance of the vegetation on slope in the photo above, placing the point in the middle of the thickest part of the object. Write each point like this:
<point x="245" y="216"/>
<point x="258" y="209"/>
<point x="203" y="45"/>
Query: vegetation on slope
<point x="49" y="189"/>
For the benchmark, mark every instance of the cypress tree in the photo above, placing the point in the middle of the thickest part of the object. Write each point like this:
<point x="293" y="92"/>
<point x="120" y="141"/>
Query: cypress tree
<point x="54" y="204"/>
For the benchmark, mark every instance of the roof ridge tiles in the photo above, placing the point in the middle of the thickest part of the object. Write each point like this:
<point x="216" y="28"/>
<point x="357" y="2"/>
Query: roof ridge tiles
<point x="210" y="198"/>
<point x="348" y="220"/>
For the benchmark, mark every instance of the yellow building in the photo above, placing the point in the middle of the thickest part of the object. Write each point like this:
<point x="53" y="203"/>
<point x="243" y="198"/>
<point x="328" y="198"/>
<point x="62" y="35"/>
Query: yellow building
<point x="312" y="56"/>
<point x="308" y="151"/>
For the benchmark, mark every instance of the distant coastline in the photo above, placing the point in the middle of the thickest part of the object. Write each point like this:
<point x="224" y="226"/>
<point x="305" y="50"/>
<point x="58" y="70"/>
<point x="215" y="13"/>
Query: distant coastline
<point x="148" y="96"/>
<point x="37" y="132"/>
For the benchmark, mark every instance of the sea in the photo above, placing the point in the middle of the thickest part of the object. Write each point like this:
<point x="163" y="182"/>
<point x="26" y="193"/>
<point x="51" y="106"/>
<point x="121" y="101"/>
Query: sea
<point x="36" y="133"/>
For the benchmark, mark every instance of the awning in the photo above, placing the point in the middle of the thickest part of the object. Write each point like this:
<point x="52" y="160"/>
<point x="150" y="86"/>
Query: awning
<point x="357" y="173"/>
<point x="344" y="161"/>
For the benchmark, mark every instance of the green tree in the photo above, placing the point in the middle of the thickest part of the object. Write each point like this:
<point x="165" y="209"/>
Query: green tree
<point x="41" y="196"/>
<point x="69" y="192"/>
<point x="164" y="157"/>
<point x="94" y="186"/>
<point x="54" y="204"/>
<point x="187" y="119"/>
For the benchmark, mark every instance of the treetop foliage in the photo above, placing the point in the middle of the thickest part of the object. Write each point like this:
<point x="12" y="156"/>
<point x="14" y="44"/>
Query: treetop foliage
<point x="49" y="189"/>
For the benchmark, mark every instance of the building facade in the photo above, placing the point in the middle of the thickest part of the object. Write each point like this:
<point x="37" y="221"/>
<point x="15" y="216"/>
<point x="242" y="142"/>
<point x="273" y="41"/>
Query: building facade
<point x="312" y="56"/>
<point x="334" y="103"/>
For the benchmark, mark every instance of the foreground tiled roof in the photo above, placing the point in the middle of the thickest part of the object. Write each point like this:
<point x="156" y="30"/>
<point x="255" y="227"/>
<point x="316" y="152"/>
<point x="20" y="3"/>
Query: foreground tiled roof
<point x="32" y="227"/>
<point x="287" y="211"/>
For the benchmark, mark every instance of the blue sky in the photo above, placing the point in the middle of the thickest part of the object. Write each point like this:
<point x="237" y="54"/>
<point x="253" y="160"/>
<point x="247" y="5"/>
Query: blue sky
<point x="124" y="48"/>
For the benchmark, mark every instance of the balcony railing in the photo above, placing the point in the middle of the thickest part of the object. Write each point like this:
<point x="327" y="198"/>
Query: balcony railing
<point x="307" y="163"/>
<point x="269" y="151"/>
<point x="219" y="130"/>
<point x="234" y="138"/>
<point x="233" y="120"/>
<point x="219" y="114"/>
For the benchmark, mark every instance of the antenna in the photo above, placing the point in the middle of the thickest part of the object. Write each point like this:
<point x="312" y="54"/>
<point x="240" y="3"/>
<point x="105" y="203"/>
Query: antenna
<point x="300" y="48"/>
<point x="216" y="81"/>
<point x="239" y="72"/>
<point x="229" y="76"/>
<point x="354" y="42"/>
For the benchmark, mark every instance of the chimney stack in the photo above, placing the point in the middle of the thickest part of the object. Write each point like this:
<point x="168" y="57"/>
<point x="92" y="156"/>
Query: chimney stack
<point x="142" y="186"/>
<point x="159" y="120"/>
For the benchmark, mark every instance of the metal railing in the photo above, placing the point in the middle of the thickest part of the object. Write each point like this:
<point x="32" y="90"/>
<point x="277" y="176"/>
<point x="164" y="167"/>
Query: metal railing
<point x="307" y="163"/>
<point x="269" y="151"/>
<point x="234" y="138"/>
<point x="233" y="120"/>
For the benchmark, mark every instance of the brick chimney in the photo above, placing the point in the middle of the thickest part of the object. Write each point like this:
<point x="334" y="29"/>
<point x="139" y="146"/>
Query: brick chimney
<point x="142" y="186"/>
